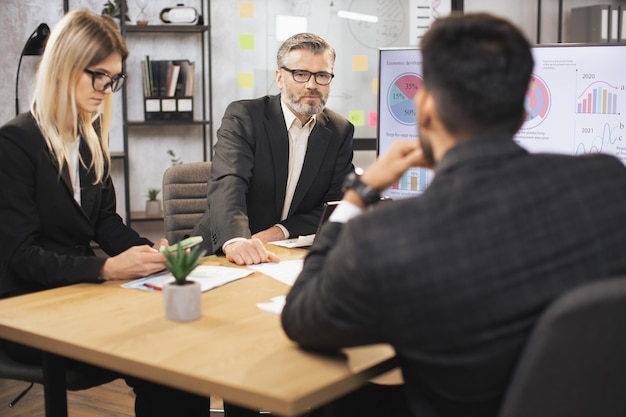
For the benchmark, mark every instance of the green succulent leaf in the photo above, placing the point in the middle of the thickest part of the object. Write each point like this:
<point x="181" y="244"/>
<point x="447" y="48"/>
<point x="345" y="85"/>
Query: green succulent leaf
<point x="182" y="262"/>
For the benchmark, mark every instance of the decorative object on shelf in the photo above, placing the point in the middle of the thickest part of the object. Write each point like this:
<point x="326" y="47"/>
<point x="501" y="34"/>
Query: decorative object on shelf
<point x="174" y="159"/>
<point x="153" y="205"/>
<point x="141" y="17"/>
<point x="114" y="9"/>
<point x="35" y="45"/>
<point x="182" y="298"/>
<point x="179" y="15"/>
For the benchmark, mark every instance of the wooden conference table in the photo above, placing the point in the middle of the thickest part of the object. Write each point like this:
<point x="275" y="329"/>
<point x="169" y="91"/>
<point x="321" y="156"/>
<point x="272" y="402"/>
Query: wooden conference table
<point x="234" y="351"/>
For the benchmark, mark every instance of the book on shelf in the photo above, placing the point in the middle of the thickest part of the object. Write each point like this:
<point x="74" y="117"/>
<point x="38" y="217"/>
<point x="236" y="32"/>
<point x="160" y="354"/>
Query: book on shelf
<point x="167" y="78"/>
<point x="168" y="89"/>
<point x="172" y="80"/>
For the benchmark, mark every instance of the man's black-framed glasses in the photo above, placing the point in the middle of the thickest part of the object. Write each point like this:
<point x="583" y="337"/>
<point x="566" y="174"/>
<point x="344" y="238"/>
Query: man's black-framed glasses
<point x="101" y="81"/>
<point x="303" y="76"/>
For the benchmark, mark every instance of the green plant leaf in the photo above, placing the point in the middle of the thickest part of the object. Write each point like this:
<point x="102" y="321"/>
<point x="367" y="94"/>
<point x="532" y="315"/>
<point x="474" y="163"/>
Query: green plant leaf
<point x="182" y="262"/>
<point x="153" y="193"/>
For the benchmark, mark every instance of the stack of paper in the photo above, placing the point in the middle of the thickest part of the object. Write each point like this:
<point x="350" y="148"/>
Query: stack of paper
<point x="208" y="276"/>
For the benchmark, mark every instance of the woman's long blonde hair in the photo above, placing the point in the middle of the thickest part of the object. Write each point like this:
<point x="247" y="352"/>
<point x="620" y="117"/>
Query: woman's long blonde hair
<point x="81" y="39"/>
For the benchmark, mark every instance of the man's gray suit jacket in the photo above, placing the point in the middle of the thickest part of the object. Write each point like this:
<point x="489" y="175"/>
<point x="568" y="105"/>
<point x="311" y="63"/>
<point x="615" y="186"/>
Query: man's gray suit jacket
<point x="454" y="279"/>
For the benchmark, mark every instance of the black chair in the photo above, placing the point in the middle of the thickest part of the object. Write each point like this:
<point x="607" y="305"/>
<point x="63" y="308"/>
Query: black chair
<point x="574" y="363"/>
<point x="76" y="381"/>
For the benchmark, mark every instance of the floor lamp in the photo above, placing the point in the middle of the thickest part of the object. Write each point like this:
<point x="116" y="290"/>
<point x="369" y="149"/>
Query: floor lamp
<point x="34" y="46"/>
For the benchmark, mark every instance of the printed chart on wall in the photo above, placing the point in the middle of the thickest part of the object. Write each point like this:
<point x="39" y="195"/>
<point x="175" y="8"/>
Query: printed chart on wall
<point x="400" y="80"/>
<point x="423" y="13"/>
<point x="575" y="102"/>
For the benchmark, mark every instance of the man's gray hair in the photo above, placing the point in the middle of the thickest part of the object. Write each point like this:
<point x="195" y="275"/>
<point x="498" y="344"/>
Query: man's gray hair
<point x="306" y="41"/>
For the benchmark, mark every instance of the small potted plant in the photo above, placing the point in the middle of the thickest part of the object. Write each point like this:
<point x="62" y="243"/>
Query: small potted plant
<point x="114" y="9"/>
<point x="182" y="297"/>
<point x="153" y="205"/>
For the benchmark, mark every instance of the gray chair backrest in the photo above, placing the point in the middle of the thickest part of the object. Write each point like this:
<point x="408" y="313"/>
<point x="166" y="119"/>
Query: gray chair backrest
<point x="184" y="198"/>
<point x="574" y="363"/>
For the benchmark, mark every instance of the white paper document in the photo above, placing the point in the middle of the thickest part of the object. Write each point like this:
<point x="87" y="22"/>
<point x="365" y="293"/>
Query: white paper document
<point x="274" y="306"/>
<point x="284" y="271"/>
<point x="299" y="242"/>
<point x="208" y="276"/>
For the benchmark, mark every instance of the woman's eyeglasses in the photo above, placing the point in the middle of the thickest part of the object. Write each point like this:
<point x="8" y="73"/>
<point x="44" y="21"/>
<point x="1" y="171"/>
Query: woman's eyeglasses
<point x="101" y="81"/>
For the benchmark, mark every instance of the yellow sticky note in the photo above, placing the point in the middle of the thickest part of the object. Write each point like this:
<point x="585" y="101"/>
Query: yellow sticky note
<point x="375" y="86"/>
<point x="246" y="80"/>
<point x="246" y="9"/>
<point x="246" y="41"/>
<point x="359" y="63"/>
<point x="357" y="117"/>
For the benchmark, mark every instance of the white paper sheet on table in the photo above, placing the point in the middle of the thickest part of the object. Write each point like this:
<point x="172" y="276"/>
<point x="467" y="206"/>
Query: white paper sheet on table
<point x="299" y="242"/>
<point x="283" y="271"/>
<point x="274" y="306"/>
<point x="208" y="276"/>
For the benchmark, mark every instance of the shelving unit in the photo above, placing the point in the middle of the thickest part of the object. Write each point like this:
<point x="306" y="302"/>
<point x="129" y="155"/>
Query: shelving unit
<point x="202" y="31"/>
<point x="561" y="9"/>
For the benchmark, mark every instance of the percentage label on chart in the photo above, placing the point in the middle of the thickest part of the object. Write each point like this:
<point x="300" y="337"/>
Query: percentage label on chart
<point x="400" y="97"/>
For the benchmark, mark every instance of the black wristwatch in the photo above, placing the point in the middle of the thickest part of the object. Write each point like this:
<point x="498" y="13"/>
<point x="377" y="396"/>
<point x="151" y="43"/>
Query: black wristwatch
<point x="365" y="192"/>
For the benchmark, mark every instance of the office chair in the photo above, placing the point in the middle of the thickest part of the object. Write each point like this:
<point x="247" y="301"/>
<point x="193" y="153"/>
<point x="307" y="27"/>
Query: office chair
<point x="184" y="198"/>
<point x="76" y="381"/>
<point x="574" y="363"/>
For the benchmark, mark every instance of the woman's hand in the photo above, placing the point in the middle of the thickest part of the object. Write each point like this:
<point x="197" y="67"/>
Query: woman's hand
<point x="135" y="262"/>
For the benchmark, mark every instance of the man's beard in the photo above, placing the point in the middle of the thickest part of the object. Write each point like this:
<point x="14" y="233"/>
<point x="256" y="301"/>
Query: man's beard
<point x="304" y="108"/>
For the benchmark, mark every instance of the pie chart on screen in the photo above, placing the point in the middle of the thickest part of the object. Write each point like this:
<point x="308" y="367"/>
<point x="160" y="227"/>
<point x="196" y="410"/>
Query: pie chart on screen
<point x="400" y="97"/>
<point x="537" y="102"/>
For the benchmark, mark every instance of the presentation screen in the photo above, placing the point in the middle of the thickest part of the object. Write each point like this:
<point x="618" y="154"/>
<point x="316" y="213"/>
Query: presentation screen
<point x="574" y="103"/>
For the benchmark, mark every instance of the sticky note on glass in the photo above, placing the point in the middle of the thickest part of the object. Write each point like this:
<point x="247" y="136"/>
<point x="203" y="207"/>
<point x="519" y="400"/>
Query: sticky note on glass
<point x="373" y="119"/>
<point x="246" y="42"/>
<point x="246" y="80"/>
<point x="359" y="63"/>
<point x="246" y="9"/>
<point x="357" y="117"/>
<point x="375" y="86"/>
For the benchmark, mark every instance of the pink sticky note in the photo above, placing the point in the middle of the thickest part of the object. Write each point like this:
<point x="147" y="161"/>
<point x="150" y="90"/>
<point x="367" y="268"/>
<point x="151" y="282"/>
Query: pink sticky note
<point x="373" y="119"/>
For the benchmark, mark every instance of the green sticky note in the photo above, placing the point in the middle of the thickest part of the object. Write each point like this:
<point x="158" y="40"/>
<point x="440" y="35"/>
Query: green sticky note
<point x="357" y="117"/>
<point x="246" y="42"/>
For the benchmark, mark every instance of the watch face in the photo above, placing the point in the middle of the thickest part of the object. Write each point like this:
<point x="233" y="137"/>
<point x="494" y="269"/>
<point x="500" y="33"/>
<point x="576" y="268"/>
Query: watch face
<point x="365" y="192"/>
<point x="348" y="183"/>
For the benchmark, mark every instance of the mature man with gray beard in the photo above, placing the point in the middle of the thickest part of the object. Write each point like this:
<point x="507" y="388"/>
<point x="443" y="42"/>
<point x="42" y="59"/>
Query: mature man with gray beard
<point x="278" y="159"/>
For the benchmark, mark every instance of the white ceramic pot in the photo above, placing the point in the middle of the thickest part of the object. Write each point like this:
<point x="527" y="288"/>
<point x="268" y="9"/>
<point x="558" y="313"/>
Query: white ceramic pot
<point x="153" y="208"/>
<point x="183" y="302"/>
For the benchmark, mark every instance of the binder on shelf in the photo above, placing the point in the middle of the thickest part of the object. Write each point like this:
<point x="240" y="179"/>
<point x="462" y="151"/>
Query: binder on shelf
<point x="168" y="89"/>
<point x="622" y="25"/>
<point x="591" y="24"/>
<point x="168" y="108"/>
<point x="614" y="24"/>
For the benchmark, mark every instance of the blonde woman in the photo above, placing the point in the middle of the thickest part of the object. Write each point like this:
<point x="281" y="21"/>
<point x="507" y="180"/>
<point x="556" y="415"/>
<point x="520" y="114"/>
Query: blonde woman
<point x="56" y="193"/>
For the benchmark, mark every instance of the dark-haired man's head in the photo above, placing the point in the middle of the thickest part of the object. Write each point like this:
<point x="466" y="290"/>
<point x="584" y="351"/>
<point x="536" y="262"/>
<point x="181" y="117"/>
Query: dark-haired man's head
<point x="477" y="68"/>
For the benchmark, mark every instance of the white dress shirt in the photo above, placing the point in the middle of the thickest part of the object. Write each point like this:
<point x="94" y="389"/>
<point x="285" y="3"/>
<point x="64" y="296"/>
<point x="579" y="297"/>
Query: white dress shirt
<point x="298" y="142"/>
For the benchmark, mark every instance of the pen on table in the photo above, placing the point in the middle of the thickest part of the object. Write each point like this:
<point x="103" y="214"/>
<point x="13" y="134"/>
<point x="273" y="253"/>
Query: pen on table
<point x="152" y="286"/>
